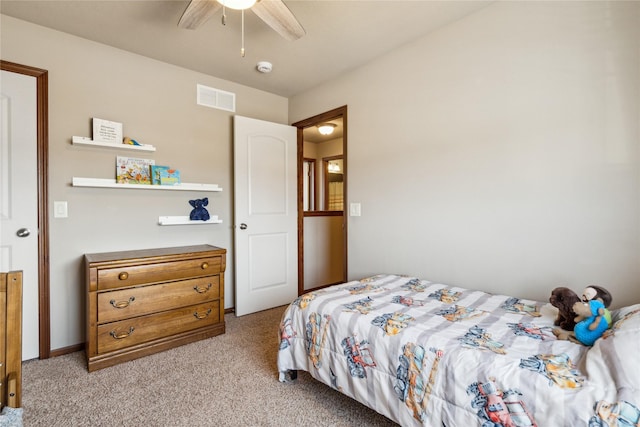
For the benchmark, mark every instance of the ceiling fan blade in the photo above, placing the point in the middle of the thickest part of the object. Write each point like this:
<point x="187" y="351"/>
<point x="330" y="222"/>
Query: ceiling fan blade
<point x="197" y="13"/>
<point x="278" y="16"/>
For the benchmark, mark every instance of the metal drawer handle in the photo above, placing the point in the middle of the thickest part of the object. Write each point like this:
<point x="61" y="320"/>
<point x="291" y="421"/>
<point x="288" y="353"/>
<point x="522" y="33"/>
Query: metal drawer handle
<point x="204" y="265"/>
<point x="122" y="304"/>
<point x="203" y="315"/>
<point x="121" y="335"/>
<point x="123" y="276"/>
<point x="202" y="289"/>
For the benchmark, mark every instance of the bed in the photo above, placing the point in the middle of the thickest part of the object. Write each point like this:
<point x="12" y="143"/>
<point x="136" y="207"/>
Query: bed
<point x="423" y="353"/>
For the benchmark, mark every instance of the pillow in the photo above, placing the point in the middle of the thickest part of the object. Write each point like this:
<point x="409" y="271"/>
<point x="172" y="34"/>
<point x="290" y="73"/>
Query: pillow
<point x="625" y="318"/>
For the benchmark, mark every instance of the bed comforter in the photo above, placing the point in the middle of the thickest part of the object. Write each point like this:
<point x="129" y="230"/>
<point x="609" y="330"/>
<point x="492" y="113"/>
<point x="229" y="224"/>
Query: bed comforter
<point x="423" y="353"/>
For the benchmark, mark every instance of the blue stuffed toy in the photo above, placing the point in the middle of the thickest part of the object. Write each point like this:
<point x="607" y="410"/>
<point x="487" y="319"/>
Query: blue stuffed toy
<point x="199" y="213"/>
<point x="588" y="330"/>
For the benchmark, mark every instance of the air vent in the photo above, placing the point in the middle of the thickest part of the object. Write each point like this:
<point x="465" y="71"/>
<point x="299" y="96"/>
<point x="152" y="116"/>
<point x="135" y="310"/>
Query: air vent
<point x="216" y="98"/>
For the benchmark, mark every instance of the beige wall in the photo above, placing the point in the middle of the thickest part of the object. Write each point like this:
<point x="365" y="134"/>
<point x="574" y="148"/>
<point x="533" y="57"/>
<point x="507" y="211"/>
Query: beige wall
<point x="156" y="102"/>
<point x="501" y="152"/>
<point x="323" y="251"/>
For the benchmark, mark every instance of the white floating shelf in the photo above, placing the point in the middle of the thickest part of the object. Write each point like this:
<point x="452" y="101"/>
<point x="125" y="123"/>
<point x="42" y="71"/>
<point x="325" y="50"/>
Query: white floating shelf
<point x="184" y="220"/>
<point x="80" y="140"/>
<point x="111" y="183"/>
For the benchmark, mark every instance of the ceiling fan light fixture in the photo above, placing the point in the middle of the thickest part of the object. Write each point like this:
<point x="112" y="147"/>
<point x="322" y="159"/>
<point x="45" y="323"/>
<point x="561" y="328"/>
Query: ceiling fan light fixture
<point x="237" y="4"/>
<point x="326" y="128"/>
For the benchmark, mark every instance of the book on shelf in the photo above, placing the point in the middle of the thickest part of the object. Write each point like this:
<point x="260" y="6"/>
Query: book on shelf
<point x="130" y="170"/>
<point x="156" y="173"/>
<point x="170" y="177"/>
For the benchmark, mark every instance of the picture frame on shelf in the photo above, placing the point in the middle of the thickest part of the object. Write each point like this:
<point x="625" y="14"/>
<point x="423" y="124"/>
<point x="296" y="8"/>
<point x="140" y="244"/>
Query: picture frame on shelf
<point x="107" y="131"/>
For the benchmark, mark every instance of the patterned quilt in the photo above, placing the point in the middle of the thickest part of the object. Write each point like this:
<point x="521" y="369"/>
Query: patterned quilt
<point x="428" y="354"/>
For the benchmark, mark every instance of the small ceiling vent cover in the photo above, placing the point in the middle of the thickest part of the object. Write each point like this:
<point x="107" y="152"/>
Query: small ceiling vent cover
<point x="216" y="98"/>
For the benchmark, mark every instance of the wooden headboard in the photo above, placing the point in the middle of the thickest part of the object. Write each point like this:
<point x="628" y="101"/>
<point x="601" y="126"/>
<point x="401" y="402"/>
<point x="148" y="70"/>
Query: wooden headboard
<point x="11" y="339"/>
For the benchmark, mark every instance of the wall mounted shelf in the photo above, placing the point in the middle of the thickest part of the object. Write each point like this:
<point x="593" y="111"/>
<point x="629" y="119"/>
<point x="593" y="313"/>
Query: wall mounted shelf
<point x="111" y="183"/>
<point x="80" y="140"/>
<point x="184" y="220"/>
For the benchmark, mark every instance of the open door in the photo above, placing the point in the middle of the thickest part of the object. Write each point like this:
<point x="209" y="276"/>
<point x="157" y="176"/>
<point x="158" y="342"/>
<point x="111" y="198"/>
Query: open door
<point x="322" y="197"/>
<point x="265" y="228"/>
<point x="19" y="187"/>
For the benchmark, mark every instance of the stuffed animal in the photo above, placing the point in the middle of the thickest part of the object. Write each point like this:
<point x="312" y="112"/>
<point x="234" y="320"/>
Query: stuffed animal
<point x="597" y="292"/>
<point x="587" y="331"/>
<point x="592" y="292"/>
<point x="130" y="141"/>
<point x="563" y="299"/>
<point x="199" y="212"/>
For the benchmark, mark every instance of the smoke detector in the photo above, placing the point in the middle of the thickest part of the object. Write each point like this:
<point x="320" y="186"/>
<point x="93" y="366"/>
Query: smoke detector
<point x="264" y="67"/>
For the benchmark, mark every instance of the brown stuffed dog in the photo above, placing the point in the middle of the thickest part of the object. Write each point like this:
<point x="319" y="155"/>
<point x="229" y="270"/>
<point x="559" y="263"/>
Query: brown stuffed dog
<point x="563" y="299"/>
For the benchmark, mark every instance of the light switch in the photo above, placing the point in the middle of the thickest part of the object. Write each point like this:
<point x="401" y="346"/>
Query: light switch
<point x="354" y="209"/>
<point x="60" y="210"/>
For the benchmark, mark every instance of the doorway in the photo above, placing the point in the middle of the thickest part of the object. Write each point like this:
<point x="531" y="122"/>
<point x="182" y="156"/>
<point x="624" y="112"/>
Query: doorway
<point x="322" y="195"/>
<point x="42" y="138"/>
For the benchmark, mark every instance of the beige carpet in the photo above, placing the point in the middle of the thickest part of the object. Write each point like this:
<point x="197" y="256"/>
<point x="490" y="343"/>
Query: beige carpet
<point x="228" y="380"/>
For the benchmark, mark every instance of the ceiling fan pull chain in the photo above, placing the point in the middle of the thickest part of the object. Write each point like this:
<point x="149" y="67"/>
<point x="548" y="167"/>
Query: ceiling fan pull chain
<point x="242" y="48"/>
<point x="224" y="15"/>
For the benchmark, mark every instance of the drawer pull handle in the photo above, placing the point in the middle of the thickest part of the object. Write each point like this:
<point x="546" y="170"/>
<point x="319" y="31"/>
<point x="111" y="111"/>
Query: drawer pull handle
<point x="204" y="265"/>
<point x="203" y="315"/>
<point x="123" y="276"/>
<point x="202" y="289"/>
<point x="122" y="304"/>
<point x="121" y="335"/>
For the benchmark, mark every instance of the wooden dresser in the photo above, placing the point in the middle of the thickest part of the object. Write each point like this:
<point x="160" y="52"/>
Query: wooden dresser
<point x="144" y="301"/>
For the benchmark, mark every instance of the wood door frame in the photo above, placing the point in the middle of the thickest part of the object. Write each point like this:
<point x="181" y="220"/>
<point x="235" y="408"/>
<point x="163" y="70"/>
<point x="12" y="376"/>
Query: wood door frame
<point x="340" y="112"/>
<point x="42" y="95"/>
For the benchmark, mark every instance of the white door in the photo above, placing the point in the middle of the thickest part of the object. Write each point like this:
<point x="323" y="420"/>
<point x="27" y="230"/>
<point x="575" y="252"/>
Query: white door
<point x="266" y="236"/>
<point x="19" y="196"/>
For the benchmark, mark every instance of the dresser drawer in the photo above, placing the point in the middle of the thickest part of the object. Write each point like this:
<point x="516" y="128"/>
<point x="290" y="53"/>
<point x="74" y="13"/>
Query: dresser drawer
<point x="137" y="301"/>
<point x="118" y="277"/>
<point x="126" y="333"/>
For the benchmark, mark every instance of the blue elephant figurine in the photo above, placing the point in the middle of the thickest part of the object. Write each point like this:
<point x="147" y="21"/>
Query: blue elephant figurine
<point x="199" y="213"/>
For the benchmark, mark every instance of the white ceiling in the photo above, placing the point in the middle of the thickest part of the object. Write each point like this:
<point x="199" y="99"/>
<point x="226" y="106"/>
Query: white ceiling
<point x="341" y="35"/>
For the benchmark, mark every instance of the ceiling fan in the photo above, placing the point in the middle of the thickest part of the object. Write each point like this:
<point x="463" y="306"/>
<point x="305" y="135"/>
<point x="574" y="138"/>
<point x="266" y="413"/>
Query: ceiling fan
<point x="273" y="12"/>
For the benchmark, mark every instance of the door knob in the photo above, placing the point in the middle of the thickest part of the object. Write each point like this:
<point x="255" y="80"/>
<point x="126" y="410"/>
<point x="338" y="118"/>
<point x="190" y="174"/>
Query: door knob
<point x="243" y="226"/>
<point x="23" y="232"/>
